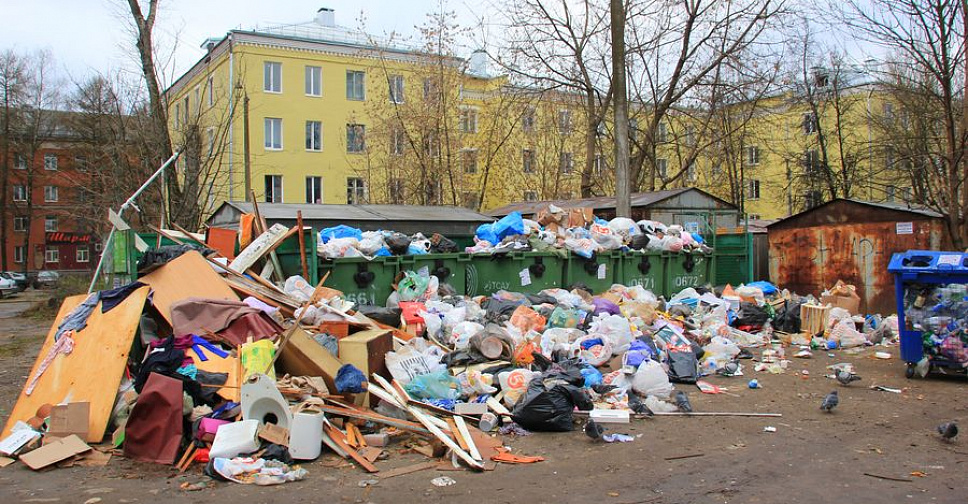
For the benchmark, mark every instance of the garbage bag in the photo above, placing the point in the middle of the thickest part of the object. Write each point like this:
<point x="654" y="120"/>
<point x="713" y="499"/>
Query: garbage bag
<point x="398" y="243"/>
<point x="750" y="315"/>
<point x="767" y="288"/>
<point x="386" y="316"/>
<point x="437" y="385"/>
<point x="340" y="231"/>
<point x="162" y="255"/>
<point x="787" y="318"/>
<point x="614" y="329"/>
<point x="564" y="317"/>
<point x="463" y="332"/>
<point x="525" y="319"/>
<point x="651" y="380"/>
<point x="510" y="225"/>
<point x="605" y="306"/>
<point x="440" y="244"/>
<point x="414" y="286"/>
<point x="549" y="409"/>
<point x="683" y="366"/>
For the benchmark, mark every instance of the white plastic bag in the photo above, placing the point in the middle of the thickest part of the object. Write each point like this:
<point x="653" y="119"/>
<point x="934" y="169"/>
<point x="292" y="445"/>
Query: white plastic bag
<point x="650" y="379"/>
<point x="614" y="329"/>
<point x="463" y="332"/>
<point x="416" y="358"/>
<point x="297" y="287"/>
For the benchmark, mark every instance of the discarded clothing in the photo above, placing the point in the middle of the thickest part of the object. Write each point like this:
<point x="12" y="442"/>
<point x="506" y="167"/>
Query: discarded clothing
<point x="76" y="320"/>
<point x="153" y="431"/>
<point x="114" y="297"/>
<point x="232" y="321"/>
<point x="65" y="345"/>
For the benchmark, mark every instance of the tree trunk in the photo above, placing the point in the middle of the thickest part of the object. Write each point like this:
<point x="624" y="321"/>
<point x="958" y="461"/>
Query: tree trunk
<point x="623" y="193"/>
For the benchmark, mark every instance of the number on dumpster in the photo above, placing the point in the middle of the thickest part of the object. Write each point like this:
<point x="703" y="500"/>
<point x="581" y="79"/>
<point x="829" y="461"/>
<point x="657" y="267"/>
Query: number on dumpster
<point x="362" y="298"/>
<point x="687" y="281"/>
<point x="645" y="282"/>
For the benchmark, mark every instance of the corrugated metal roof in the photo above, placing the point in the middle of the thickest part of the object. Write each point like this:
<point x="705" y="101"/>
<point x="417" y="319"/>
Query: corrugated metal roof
<point x="885" y="206"/>
<point x="274" y="211"/>
<point x="639" y="200"/>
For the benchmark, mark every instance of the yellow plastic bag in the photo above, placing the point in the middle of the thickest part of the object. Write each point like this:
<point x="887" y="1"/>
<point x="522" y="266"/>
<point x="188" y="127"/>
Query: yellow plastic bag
<point x="256" y="357"/>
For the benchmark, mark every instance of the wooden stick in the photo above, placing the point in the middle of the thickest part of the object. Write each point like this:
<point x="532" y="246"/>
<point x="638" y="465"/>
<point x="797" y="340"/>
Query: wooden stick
<point x="302" y="245"/>
<point x="890" y="478"/>
<point x="166" y="235"/>
<point x="260" y="225"/>
<point x="400" y="471"/>
<point x="680" y="457"/>
<point x="466" y="434"/>
<point x="188" y="451"/>
<point x="319" y="289"/>
<point x="340" y="439"/>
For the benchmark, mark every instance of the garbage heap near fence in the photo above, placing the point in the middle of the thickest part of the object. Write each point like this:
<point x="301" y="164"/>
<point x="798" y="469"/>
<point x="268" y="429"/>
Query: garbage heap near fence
<point x="205" y="365"/>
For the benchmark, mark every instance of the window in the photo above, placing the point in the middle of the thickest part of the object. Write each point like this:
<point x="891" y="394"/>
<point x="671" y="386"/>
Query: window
<point x="662" y="167"/>
<point x="188" y="112"/>
<point x="398" y="141"/>
<point x="210" y="137"/>
<point x="566" y="164"/>
<point x="691" y="174"/>
<point x="601" y="129"/>
<point x="809" y="123"/>
<point x="20" y="193"/>
<point x="888" y="157"/>
<point x="812" y="199"/>
<point x="811" y="162"/>
<point x="753" y="189"/>
<point x="691" y="136"/>
<point x="564" y="121"/>
<point x="470" y="199"/>
<point x="633" y="130"/>
<point x="314" y="81"/>
<point x="891" y="194"/>
<point x="433" y="192"/>
<point x="273" y="133"/>
<point x="396" y="88"/>
<point x="468" y="160"/>
<point x="20" y="224"/>
<point x="20" y="162"/>
<point x="528" y="120"/>
<point x="273" y="188"/>
<point x="272" y="77"/>
<point x="888" y="108"/>
<point x="210" y="90"/>
<point x="20" y="254"/>
<point x="527" y="160"/>
<point x="355" y="138"/>
<point x="530" y="196"/>
<point x="431" y="146"/>
<point x="468" y="120"/>
<point x="82" y="255"/>
<point x="50" y="162"/>
<point x="717" y="169"/>
<point x="661" y="135"/>
<point x="177" y="115"/>
<point x="314" y="136"/>
<point x="752" y="155"/>
<point x="355" y="88"/>
<point x="198" y="98"/>
<point x="50" y="194"/>
<point x="599" y="164"/>
<point x="52" y="254"/>
<point x="50" y="224"/>
<point x="314" y="190"/>
<point x="397" y="191"/>
<point x="355" y="191"/>
<point x="430" y="89"/>
<point x="80" y="163"/>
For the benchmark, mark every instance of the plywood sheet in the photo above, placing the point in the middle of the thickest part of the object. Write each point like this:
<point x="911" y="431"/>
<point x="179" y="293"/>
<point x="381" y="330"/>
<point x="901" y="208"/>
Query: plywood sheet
<point x="92" y="372"/>
<point x="187" y="276"/>
<point x="216" y="364"/>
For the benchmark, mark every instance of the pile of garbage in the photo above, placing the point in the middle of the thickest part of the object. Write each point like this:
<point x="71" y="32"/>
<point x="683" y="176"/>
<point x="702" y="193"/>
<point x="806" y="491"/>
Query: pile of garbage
<point x="577" y="231"/>
<point x="940" y="313"/>
<point x="202" y="362"/>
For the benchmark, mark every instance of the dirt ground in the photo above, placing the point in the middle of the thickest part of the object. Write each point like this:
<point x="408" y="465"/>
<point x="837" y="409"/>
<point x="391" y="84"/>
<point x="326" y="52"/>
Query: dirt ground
<point x="812" y="456"/>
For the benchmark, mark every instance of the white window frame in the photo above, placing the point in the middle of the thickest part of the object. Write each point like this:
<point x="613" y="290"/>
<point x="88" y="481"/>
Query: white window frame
<point x="51" y="194"/>
<point x="352" y="146"/>
<point x="210" y="136"/>
<point x="20" y="254"/>
<point x="753" y="190"/>
<point x="662" y="167"/>
<point x="398" y="142"/>
<point x="470" y="154"/>
<point x="20" y="162"/>
<point x="599" y="164"/>
<point x="313" y="81"/>
<point x="397" y="189"/>
<point x="311" y="188"/>
<point x="270" y="189"/>
<point x="351" y="86"/>
<point x="50" y="224"/>
<point x="20" y="224"/>
<point x="314" y="136"/>
<point x="564" y="121"/>
<point x="809" y="123"/>
<point x="210" y="91"/>
<point x="50" y="162"/>
<point x="396" y="89"/>
<point x="51" y="254"/>
<point x="468" y="120"/>
<point x="80" y="163"/>
<point x="177" y="115"/>
<point x="661" y="133"/>
<point x="529" y="119"/>
<point x="527" y="160"/>
<point x="22" y="189"/>
<point x="566" y="163"/>
<point x="358" y="186"/>
<point x="272" y="77"/>
<point x="198" y="98"/>
<point x="82" y="255"/>
<point x="272" y="126"/>
<point x="752" y="155"/>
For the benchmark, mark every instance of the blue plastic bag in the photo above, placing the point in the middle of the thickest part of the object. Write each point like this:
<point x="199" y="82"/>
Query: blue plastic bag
<point x="592" y="376"/>
<point x="486" y="232"/>
<point x="510" y="225"/>
<point x="349" y="379"/>
<point x="416" y="250"/>
<point x="341" y="231"/>
<point x="764" y="286"/>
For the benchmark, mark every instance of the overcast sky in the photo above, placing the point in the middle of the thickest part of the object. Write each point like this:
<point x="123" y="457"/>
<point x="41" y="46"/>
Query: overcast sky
<point x="89" y="34"/>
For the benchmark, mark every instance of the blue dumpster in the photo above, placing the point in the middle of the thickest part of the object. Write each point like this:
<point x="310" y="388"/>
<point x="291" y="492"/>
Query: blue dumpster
<point x="931" y="288"/>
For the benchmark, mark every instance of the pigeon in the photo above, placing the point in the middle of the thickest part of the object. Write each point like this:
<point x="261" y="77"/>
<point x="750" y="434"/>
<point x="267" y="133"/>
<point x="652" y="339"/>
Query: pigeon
<point x="638" y="407"/>
<point x="948" y="430"/>
<point x="830" y="402"/>
<point x="729" y="369"/>
<point x="845" y="377"/>
<point x="593" y="430"/>
<point x="682" y="401"/>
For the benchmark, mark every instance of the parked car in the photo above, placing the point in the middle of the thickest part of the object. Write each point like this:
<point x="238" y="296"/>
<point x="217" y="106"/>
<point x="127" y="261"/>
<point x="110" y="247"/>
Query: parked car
<point x="46" y="279"/>
<point x="7" y="287"/>
<point x="19" y="278"/>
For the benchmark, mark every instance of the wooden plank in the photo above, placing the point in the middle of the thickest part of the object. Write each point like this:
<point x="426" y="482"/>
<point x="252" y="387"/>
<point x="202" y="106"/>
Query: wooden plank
<point x="340" y="440"/>
<point x="92" y="371"/>
<point x="186" y="276"/>
<point x="400" y="471"/>
<point x="468" y="440"/>
<point x="259" y="247"/>
<point x="302" y="356"/>
<point x="302" y="246"/>
<point x="375" y="418"/>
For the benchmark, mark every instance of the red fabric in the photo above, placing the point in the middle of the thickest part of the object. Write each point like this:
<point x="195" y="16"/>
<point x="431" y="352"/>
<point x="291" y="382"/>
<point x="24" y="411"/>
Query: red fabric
<point x="233" y="321"/>
<point x="154" y="429"/>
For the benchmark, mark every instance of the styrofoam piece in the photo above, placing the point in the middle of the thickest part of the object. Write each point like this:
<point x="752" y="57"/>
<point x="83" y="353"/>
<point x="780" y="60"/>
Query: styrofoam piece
<point x="234" y="439"/>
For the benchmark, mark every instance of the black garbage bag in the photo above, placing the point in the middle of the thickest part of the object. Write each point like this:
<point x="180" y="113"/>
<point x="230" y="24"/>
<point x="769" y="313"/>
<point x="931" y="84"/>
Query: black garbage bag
<point x="750" y="315"/>
<point x="639" y="242"/>
<point x="440" y="244"/>
<point x="386" y="316"/>
<point x="549" y="407"/>
<point x="160" y="256"/>
<point x="398" y="243"/>
<point x="538" y="298"/>
<point x="787" y="318"/>
<point x="683" y="367"/>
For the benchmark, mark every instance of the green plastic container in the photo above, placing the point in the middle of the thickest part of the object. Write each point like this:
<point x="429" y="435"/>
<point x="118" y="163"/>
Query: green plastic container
<point x="684" y="270"/>
<point x="362" y="281"/>
<point x="646" y="269"/>
<point x="291" y="262"/>
<point x="448" y="268"/>
<point x="598" y="273"/>
<point x="487" y="274"/>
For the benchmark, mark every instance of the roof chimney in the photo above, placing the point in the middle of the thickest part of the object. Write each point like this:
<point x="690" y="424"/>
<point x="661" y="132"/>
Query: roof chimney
<point x="326" y="17"/>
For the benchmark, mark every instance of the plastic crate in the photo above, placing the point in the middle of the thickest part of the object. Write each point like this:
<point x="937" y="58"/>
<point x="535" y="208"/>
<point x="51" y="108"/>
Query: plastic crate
<point x="924" y="268"/>
<point x="487" y="274"/>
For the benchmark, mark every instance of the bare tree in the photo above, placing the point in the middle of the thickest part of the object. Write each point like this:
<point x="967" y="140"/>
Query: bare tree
<point x="13" y="84"/>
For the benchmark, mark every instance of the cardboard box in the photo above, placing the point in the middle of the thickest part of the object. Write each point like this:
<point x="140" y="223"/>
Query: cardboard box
<point x="67" y="419"/>
<point x="842" y="295"/>
<point x="366" y="350"/>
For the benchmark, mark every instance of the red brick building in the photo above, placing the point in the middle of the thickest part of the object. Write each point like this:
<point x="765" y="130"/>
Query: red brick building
<point x="51" y="234"/>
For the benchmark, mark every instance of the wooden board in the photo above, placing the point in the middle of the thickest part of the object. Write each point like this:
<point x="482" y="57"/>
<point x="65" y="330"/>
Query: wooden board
<point x="302" y="356"/>
<point x="262" y="245"/>
<point x="216" y="364"/>
<point x="93" y="371"/>
<point x="187" y="276"/>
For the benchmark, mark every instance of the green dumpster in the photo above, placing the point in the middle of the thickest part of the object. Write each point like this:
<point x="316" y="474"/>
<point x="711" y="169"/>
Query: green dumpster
<point x="685" y="269"/>
<point x="527" y="272"/>
<point x="646" y="269"/>
<point x="448" y="268"/>
<point x="363" y="281"/>
<point x="598" y="274"/>
<point x="291" y="261"/>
